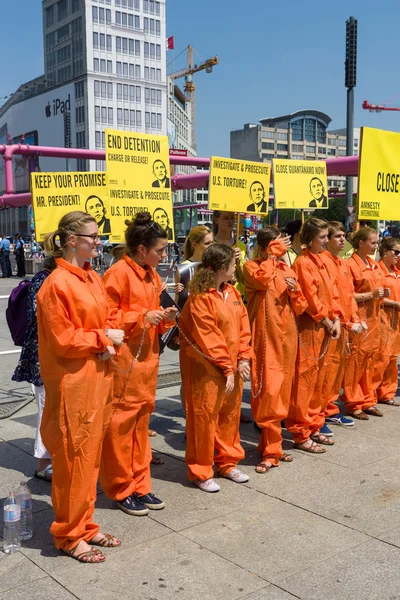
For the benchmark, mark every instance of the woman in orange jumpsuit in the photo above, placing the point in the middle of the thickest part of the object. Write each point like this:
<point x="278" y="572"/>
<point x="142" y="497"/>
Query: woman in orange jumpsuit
<point x="134" y="287"/>
<point x="76" y="342"/>
<point x="214" y="356"/>
<point x="351" y="326"/>
<point x="272" y="294"/>
<point x="360" y="375"/>
<point x="316" y="327"/>
<point x="389" y="251"/>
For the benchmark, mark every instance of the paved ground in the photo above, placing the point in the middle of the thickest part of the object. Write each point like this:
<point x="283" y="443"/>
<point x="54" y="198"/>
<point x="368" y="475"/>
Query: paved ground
<point x="321" y="527"/>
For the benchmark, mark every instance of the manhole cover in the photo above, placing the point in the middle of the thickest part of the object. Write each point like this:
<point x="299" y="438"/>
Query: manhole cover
<point x="7" y="409"/>
<point x="169" y="379"/>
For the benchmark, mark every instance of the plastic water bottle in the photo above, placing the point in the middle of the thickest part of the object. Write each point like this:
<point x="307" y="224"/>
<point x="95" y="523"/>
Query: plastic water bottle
<point x="12" y="517"/>
<point x="24" y="499"/>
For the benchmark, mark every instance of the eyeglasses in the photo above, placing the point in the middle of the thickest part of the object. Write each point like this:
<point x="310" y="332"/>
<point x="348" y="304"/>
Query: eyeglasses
<point x="396" y="252"/>
<point x="95" y="236"/>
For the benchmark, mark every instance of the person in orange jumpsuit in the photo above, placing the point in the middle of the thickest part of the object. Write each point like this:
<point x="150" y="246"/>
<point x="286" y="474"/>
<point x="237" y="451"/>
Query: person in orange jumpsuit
<point x="387" y="375"/>
<point x="134" y="287"/>
<point x="317" y="326"/>
<point x="76" y="342"/>
<point x="351" y="327"/>
<point x="273" y="297"/>
<point x="360" y="376"/>
<point x="214" y="356"/>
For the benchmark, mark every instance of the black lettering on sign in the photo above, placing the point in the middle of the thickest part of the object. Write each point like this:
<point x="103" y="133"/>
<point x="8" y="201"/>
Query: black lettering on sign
<point x="387" y="182"/>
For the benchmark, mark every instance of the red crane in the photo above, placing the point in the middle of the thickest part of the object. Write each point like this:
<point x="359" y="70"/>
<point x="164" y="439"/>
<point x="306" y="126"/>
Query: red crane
<point x="378" y="107"/>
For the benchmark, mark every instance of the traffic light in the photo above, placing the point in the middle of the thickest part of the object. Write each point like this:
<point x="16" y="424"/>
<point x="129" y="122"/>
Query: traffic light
<point x="351" y="53"/>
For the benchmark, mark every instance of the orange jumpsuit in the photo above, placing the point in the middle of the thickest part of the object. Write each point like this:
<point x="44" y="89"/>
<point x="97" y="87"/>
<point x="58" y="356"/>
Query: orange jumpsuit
<point x="309" y="398"/>
<point x="270" y="305"/>
<point x="340" y="348"/>
<point x="72" y="312"/>
<point x="386" y="365"/>
<point x="218" y="325"/>
<point x="359" y="374"/>
<point x="125" y="463"/>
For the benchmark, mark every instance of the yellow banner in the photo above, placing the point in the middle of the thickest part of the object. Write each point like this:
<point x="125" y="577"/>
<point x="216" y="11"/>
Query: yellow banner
<point x="56" y="194"/>
<point x="379" y="175"/>
<point x="300" y="184"/>
<point x="139" y="180"/>
<point x="239" y="185"/>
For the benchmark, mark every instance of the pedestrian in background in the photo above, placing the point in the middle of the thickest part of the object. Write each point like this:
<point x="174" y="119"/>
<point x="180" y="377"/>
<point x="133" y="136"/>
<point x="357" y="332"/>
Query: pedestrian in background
<point x="28" y="368"/>
<point x="19" y="255"/>
<point x="5" y="257"/>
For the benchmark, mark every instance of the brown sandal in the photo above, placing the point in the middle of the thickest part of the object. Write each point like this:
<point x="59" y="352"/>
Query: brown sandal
<point x="286" y="457"/>
<point x="107" y="541"/>
<point x="152" y="433"/>
<point x="313" y="448"/>
<point x="86" y="557"/>
<point x="322" y="439"/>
<point x="262" y="468"/>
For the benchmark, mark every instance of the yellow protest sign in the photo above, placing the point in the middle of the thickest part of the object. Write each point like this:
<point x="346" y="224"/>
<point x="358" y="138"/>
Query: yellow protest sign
<point x="300" y="184"/>
<point x="379" y="175"/>
<point x="139" y="179"/>
<point x="238" y="185"/>
<point x="56" y="194"/>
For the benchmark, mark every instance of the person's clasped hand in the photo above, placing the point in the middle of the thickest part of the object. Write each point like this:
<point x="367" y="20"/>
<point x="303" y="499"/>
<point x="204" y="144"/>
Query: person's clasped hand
<point x="108" y="353"/>
<point x="170" y="313"/>
<point x="244" y="370"/>
<point x="116" y="336"/>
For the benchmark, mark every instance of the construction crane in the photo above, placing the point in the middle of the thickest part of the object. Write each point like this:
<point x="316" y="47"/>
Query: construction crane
<point x="378" y="107"/>
<point x="189" y="87"/>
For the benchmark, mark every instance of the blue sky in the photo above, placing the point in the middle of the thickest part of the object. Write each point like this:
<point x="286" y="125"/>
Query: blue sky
<point x="275" y="58"/>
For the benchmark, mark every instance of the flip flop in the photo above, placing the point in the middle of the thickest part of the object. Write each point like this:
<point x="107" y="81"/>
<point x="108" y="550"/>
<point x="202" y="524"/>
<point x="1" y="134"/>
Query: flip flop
<point x="152" y="433"/>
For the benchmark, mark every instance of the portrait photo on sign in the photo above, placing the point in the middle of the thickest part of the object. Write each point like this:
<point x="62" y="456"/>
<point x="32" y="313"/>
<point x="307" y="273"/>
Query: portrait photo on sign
<point x="94" y="206"/>
<point x="257" y="197"/>
<point x="160" y="174"/>
<point x="317" y="191"/>
<point x="160" y="216"/>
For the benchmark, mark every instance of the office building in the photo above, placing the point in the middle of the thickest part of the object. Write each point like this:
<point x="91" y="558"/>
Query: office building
<point x="104" y="67"/>
<point x="302" y="135"/>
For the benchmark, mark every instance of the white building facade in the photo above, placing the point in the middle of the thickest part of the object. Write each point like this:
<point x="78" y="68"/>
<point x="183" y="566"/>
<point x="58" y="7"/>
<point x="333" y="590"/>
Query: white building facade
<point x="106" y="60"/>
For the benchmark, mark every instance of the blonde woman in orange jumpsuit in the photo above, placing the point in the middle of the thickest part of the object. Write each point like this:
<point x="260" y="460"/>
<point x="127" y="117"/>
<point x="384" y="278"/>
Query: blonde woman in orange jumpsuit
<point x="214" y="356"/>
<point x="272" y="293"/>
<point x="76" y="342"/>
<point x="368" y="279"/>
<point x="134" y="287"/>
<point x="387" y="376"/>
<point x="316" y="326"/>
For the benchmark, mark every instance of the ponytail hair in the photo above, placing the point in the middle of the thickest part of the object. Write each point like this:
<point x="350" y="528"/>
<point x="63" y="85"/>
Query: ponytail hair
<point x="361" y="235"/>
<point x="196" y="236"/>
<point x="72" y="222"/>
<point x="215" y="258"/>
<point x="143" y="231"/>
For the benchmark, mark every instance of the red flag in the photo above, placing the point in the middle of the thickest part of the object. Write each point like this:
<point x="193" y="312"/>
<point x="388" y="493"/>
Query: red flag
<point x="170" y="43"/>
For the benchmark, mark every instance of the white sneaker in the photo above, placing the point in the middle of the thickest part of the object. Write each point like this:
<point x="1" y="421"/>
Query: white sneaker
<point x="237" y="476"/>
<point x="209" y="485"/>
